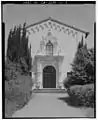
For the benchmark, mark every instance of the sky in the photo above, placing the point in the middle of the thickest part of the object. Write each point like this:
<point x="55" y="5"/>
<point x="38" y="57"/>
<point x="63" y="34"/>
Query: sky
<point x="79" y="16"/>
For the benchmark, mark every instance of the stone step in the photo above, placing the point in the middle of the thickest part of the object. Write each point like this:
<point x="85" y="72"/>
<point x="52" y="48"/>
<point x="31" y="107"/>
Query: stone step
<point x="49" y="90"/>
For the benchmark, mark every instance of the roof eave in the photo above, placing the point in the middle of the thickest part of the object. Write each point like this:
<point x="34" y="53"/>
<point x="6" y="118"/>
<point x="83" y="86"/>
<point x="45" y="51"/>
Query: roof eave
<point x="82" y="31"/>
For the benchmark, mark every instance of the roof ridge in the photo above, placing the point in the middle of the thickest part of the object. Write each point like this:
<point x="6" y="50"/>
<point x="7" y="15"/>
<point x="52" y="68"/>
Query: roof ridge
<point x="54" y="20"/>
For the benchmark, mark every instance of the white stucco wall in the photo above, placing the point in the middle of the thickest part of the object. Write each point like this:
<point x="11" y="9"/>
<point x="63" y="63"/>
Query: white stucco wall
<point x="67" y="43"/>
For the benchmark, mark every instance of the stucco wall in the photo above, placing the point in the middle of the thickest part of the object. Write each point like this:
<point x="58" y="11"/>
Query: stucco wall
<point x="67" y="43"/>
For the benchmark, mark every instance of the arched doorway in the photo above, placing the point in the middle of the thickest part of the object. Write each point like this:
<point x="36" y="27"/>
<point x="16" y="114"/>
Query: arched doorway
<point x="49" y="77"/>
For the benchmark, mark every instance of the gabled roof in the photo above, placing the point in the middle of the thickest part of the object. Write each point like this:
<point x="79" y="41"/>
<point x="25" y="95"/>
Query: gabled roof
<point x="59" y="22"/>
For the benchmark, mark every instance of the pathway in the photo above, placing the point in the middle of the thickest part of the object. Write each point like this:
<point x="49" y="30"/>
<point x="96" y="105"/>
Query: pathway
<point x="48" y="105"/>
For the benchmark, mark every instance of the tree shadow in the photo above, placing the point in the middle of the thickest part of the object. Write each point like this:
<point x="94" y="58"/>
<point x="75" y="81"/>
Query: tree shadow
<point x="71" y="101"/>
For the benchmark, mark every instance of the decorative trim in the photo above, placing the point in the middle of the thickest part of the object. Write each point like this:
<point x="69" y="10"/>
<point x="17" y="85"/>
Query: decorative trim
<point x="59" y="22"/>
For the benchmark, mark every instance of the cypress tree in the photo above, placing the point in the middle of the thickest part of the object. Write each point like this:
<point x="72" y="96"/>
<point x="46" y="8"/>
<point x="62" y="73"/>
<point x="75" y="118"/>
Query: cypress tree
<point x="18" y="50"/>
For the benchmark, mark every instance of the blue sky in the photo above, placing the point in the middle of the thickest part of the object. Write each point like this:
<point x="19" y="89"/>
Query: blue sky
<point x="80" y="16"/>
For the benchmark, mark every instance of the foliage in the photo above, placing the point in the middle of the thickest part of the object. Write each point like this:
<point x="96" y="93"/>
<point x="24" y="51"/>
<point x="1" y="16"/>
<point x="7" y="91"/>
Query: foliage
<point x="83" y="93"/>
<point x="20" y="84"/>
<point x="17" y="49"/>
<point x="82" y="67"/>
<point x="18" y="64"/>
<point x="11" y="70"/>
<point x="17" y="93"/>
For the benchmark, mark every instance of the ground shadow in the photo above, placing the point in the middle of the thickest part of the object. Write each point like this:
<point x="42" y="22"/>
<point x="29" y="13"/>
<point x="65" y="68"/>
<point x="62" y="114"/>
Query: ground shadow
<point x="71" y="101"/>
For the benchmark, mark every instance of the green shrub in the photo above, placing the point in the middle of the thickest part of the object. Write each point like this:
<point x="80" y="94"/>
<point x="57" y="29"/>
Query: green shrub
<point x="18" y="91"/>
<point x="11" y="70"/>
<point x="83" y="65"/>
<point x="83" y="93"/>
<point x="75" y="90"/>
<point x="88" y="93"/>
<point x="70" y="81"/>
<point x="18" y="64"/>
<point x="23" y="84"/>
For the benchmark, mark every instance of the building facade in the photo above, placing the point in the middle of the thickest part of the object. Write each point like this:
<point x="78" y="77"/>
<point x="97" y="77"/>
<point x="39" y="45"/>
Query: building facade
<point x="53" y="46"/>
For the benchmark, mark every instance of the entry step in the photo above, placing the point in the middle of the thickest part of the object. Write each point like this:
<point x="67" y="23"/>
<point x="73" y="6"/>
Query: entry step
<point x="49" y="90"/>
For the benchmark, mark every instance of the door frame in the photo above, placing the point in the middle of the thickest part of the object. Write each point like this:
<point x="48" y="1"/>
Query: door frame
<point x="43" y="77"/>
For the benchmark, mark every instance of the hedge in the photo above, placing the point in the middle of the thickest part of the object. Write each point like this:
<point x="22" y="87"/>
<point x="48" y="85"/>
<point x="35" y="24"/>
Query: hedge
<point x="83" y="93"/>
<point x="17" y="91"/>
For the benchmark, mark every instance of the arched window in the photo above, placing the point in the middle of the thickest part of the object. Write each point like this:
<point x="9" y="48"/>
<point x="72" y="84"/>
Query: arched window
<point x="49" y="48"/>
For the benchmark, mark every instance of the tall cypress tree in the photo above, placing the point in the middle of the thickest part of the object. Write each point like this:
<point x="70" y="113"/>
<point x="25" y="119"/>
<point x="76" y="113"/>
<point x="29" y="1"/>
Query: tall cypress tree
<point x="18" y="50"/>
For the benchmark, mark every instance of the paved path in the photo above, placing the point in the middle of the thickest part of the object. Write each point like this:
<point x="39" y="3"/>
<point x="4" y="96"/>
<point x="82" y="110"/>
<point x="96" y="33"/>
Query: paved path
<point x="48" y="105"/>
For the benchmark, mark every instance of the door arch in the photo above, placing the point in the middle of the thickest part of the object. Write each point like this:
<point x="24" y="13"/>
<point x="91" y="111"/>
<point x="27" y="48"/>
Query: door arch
<point x="49" y="77"/>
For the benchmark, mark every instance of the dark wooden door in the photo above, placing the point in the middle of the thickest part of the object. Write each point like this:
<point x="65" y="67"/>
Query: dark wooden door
<point x="49" y="77"/>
